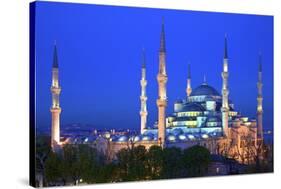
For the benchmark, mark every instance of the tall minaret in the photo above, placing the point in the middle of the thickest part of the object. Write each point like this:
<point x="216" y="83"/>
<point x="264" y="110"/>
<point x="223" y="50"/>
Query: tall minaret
<point x="259" y="99"/>
<point x="143" y="97"/>
<point x="188" y="87"/>
<point x="55" y="109"/>
<point x="225" y="91"/>
<point x="162" y="97"/>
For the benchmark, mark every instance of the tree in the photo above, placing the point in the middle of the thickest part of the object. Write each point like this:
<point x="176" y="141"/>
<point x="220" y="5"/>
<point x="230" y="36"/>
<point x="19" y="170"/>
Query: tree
<point x="196" y="160"/>
<point x="80" y="162"/>
<point x="155" y="162"/>
<point x="88" y="163"/>
<point x="172" y="163"/>
<point x="107" y="173"/>
<point x="137" y="167"/>
<point x="132" y="163"/>
<point x="124" y="159"/>
<point x="72" y="168"/>
<point x="53" y="171"/>
<point x="42" y="151"/>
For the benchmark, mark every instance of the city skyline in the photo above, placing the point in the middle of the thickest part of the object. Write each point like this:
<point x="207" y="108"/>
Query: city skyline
<point x="106" y="95"/>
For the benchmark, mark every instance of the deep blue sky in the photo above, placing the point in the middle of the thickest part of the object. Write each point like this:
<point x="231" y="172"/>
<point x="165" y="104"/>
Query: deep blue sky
<point x="99" y="52"/>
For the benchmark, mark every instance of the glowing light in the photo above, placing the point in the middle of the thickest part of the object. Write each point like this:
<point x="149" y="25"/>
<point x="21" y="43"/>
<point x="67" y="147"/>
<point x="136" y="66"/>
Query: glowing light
<point x="107" y="135"/>
<point x="137" y="138"/>
<point x="182" y="137"/>
<point x="146" y="138"/>
<point x="122" y="138"/>
<point x="171" y="138"/>
<point x="191" y="137"/>
<point x="205" y="136"/>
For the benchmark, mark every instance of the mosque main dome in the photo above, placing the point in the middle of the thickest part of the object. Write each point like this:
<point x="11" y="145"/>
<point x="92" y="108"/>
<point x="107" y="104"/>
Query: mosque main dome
<point x="204" y="90"/>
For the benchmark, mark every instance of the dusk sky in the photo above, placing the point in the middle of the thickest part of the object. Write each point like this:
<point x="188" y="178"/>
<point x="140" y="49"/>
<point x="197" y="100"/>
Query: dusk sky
<point x="100" y="53"/>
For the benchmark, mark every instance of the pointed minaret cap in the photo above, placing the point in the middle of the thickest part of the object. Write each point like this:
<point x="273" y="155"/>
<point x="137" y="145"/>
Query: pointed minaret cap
<point x="188" y="72"/>
<point x="260" y="62"/>
<point x="162" y="39"/>
<point x="55" y="60"/>
<point x="143" y="65"/>
<point x="225" y="47"/>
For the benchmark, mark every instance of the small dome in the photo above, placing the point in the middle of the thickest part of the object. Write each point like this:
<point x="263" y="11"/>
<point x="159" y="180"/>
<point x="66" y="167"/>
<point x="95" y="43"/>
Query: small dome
<point x="177" y="131"/>
<point x="193" y="107"/>
<point x="204" y="90"/>
<point x="123" y="138"/>
<point x="171" y="137"/>
<point x="182" y="137"/>
<point x="136" y="138"/>
<point x="205" y="136"/>
<point x="191" y="137"/>
<point x="146" y="138"/>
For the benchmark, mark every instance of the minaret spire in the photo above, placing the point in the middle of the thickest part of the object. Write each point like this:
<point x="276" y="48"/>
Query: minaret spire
<point x="259" y="100"/>
<point x="225" y="47"/>
<point x="162" y="38"/>
<point x="225" y="91"/>
<point x="143" y="97"/>
<point x="162" y="96"/>
<point x="188" y="88"/>
<point x="55" y="58"/>
<point x="143" y="65"/>
<point x="55" y="109"/>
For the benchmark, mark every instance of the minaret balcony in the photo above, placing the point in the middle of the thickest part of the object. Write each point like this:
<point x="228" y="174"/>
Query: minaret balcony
<point x="161" y="103"/>
<point x="143" y="113"/>
<point x="225" y="92"/>
<point x="56" y="90"/>
<point x="55" y="110"/>
<point x="161" y="78"/>
<point x="224" y="75"/>
<point x="143" y="98"/>
<point x="224" y="109"/>
<point x="143" y="82"/>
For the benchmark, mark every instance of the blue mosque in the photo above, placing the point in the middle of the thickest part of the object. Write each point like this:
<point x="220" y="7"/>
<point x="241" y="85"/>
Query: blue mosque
<point x="205" y="116"/>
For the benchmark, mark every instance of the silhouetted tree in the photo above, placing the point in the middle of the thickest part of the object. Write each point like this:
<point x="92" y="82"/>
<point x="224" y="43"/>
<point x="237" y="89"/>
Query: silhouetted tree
<point x="155" y="162"/>
<point x="42" y="151"/>
<point x="132" y="163"/>
<point x="196" y="160"/>
<point x="53" y="168"/>
<point x="172" y="163"/>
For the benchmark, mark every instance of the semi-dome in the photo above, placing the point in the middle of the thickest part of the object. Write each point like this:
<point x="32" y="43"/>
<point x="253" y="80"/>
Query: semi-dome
<point x="204" y="90"/>
<point x="193" y="107"/>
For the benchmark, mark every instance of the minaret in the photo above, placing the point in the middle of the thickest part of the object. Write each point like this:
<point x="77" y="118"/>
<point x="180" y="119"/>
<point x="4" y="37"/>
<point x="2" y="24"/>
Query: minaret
<point x="259" y="99"/>
<point x="188" y="87"/>
<point x="225" y="91"/>
<point x="162" y="97"/>
<point x="55" y="109"/>
<point x="143" y="97"/>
